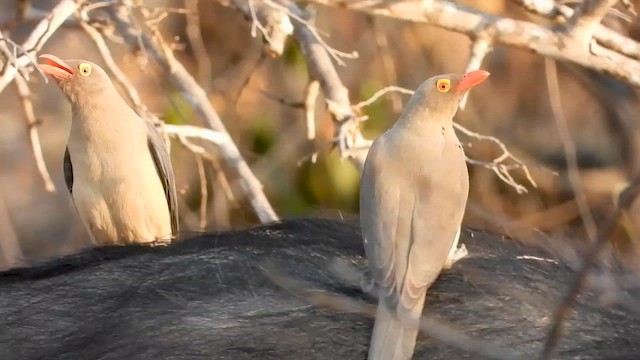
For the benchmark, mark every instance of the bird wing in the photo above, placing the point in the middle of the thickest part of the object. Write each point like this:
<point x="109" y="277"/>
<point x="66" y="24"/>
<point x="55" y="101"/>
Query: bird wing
<point x="67" y="168"/>
<point x="386" y="211"/>
<point x="162" y="161"/>
<point x="408" y="228"/>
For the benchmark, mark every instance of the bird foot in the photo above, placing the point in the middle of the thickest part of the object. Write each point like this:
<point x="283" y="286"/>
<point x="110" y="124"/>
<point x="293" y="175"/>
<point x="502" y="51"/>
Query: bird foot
<point x="352" y="275"/>
<point x="458" y="254"/>
<point x="159" y="242"/>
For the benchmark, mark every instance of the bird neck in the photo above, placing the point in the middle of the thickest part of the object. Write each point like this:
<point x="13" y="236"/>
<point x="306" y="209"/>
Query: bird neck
<point x="421" y="119"/>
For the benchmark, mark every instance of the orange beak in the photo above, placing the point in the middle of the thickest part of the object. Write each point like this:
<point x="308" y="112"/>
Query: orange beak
<point x="471" y="79"/>
<point x="55" y="67"/>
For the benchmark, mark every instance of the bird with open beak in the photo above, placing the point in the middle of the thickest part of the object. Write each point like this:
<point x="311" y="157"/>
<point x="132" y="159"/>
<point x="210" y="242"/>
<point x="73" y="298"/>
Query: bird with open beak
<point x="413" y="195"/>
<point x="116" y="165"/>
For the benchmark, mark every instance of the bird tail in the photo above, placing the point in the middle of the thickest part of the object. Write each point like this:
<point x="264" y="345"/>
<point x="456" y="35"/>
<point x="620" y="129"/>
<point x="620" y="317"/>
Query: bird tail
<point x="393" y="338"/>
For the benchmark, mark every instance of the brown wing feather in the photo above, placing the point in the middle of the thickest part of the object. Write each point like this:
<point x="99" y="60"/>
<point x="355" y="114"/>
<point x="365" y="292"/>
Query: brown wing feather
<point x="67" y="168"/>
<point x="162" y="161"/>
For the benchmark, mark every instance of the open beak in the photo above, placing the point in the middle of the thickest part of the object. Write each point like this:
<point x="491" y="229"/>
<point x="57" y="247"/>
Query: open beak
<point x="471" y="79"/>
<point x="55" y="67"/>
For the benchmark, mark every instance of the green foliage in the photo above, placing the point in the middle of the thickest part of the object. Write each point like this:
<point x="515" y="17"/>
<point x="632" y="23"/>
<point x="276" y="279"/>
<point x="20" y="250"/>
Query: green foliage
<point x="331" y="182"/>
<point x="378" y="112"/>
<point x="263" y="135"/>
<point x="179" y="111"/>
<point x="293" y="58"/>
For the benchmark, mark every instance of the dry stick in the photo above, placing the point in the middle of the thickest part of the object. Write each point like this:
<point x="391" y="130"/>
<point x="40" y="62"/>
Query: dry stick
<point x="554" y="43"/>
<point x="197" y="44"/>
<point x="311" y="92"/>
<point x="319" y="57"/>
<point x="569" y="147"/>
<point x="479" y="50"/>
<point x="194" y="94"/>
<point x="625" y="199"/>
<point x="274" y="24"/>
<point x="305" y="19"/>
<point x="32" y="125"/>
<point x="10" y="250"/>
<point x="178" y="131"/>
<point x="586" y="17"/>
<point x="40" y="34"/>
<point x="203" y="192"/>
<point x="381" y="92"/>
<point x="602" y="34"/>
<point x="321" y="68"/>
<point x="388" y="65"/>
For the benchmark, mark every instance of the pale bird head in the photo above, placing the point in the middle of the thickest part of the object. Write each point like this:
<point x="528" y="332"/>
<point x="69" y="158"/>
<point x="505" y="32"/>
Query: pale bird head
<point x="441" y="94"/>
<point x="80" y="80"/>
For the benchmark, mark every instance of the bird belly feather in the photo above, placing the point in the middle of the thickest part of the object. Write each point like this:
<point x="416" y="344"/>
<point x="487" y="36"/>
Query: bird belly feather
<point x="122" y="203"/>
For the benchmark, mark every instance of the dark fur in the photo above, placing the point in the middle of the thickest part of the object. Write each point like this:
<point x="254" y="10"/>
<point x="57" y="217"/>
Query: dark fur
<point x="207" y="298"/>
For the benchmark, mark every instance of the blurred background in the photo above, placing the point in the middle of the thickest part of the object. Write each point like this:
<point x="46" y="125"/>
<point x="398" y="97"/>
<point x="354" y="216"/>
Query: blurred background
<point x="250" y="91"/>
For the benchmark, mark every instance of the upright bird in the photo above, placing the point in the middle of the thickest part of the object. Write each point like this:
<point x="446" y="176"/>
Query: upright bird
<point x="413" y="195"/>
<point x="116" y="165"/>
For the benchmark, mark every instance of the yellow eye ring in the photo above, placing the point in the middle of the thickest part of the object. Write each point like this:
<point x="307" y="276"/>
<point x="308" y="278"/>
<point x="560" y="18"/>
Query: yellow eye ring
<point x="85" y="69"/>
<point x="443" y="85"/>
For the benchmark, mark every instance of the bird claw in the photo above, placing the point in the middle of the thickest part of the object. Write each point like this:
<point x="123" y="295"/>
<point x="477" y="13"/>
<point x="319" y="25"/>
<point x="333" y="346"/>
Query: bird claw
<point x="353" y="276"/>
<point x="456" y="255"/>
<point x="159" y="242"/>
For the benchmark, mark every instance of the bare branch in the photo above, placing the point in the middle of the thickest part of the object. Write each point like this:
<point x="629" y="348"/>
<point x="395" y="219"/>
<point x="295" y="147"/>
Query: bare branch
<point x="194" y="94"/>
<point x="388" y="65"/>
<point x="479" y="49"/>
<point x="203" y="192"/>
<point x="586" y="17"/>
<point x="553" y="43"/>
<point x="274" y="24"/>
<point x="37" y="38"/>
<point x="569" y="148"/>
<point x="602" y="34"/>
<point x="181" y="132"/>
<point x="546" y="8"/>
<point x="10" y="250"/>
<point x="381" y="92"/>
<point x="592" y="256"/>
<point x="311" y="94"/>
<point x="32" y="126"/>
<point x="197" y="44"/>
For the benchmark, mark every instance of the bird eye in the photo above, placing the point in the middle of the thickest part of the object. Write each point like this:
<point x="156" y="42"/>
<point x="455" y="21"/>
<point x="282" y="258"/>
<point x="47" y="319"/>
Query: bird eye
<point x="85" y="69"/>
<point x="443" y="85"/>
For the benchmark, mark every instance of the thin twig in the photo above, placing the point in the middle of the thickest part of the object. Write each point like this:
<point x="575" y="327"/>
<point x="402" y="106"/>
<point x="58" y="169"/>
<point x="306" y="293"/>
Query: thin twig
<point x="32" y="126"/>
<point x="569" y="147"/>
<point x="197" y="44"/>
<point x="381" y="92"/>
<point x="200" y="151"/>
<point x="388" y="64"/>
<point x="274" y="24"/>
<point x="479" y="50"/>
<point x="301" y="17"/>
<point x="40" y="34"/>
<point x="625" y="199"/>
<point x="311" y="92"/>
<point x="10" y="250"/>
<point x="587" y="16"/>
<point x="203" y="192"/>
<point x="539" y="39"/>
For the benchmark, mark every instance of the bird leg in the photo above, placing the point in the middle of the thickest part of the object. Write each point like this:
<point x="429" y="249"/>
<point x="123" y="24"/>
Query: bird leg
<point x="456" y="253"/>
